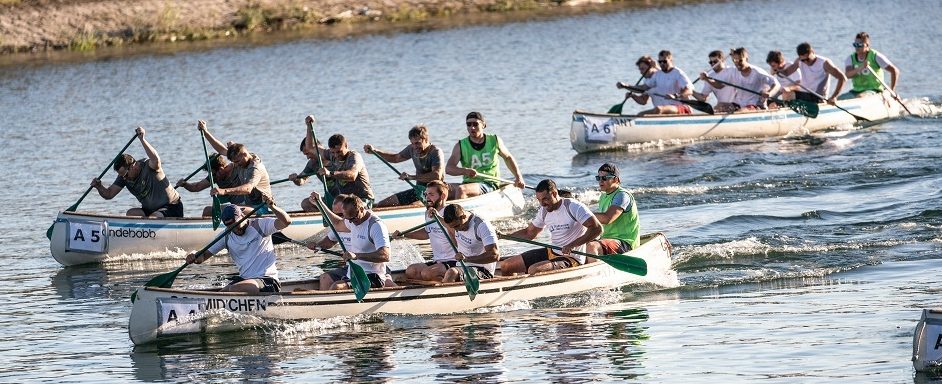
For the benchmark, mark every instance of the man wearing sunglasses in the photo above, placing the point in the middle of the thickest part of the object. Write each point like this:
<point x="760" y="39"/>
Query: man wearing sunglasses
<point x="618" y="214"/>
<point x="477" y="155"/>
<point x="571" y="225"/>
<point x="670" y="81"/>
<point x="816" y="72"/>
<point x="865" y="66"/>
<point x="724" y="96"/>
<point x="250" y="247"/>
<point x="369" y="245"/>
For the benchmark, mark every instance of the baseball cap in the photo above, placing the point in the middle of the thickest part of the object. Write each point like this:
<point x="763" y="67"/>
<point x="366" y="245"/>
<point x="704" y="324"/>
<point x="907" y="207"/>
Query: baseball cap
<point x="230" y="212"/>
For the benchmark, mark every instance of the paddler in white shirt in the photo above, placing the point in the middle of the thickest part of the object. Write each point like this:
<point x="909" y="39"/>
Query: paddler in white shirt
<point x="443" y="255"/>
<point x="369" y="245"/>
<point x="669" y="81"/>
<point x="571" y="225"/>
<point x="477" y="244"/>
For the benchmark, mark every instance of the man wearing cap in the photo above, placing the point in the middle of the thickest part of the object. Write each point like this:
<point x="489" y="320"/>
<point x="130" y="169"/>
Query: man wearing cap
<point x="369" y="245"/>
<point x="145" y="180"/>
<point x="427" y="159"/>
<point x="251" y="248"/>
<point x="618" y="214"/>
<point x="254" y="186"/>
<point x="477" y="155"/>
<point x="571" y="225"/>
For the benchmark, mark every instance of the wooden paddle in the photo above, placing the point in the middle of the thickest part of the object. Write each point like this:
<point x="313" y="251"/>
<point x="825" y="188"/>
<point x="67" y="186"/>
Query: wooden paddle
<point x="471" y="281"/>
<point x="858" y="118"/>
<point x="166" y="280"/>
<point x="621" y="262"/>
<point x="805" y="108"/>
<point x="892" y="92"/>
<point x="701" y="106"/>
<point x="415" y="187"/>
<point x="73" y="207"/>
<point x="562" y="192"/>
<point x="216" y="206"/>
<point x="328" y="198"/>
<point x="358" y="279"/>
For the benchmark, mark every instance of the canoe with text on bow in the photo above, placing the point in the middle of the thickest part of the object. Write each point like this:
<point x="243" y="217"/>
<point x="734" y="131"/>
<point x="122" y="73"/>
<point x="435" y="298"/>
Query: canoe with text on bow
<point x="592" y="132"/>
<point x="162" y="312"/>
<point x="80" y="237"/>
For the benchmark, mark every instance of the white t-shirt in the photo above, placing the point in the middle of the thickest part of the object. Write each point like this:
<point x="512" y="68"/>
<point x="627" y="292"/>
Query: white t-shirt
<point x="725" y="94"/>
<point x="345" y="236"/>
<point x="666" y="83"/>
<point x="758" y="80"/>
<point x="791" y="80"/>
<point x="253" y="252"/>
<point x="472" y="241"/>
<point x="814" y="77"/>
<point x="441" y="247"/>
<point x="565" y="224"/>
<point x="369" y="236"/>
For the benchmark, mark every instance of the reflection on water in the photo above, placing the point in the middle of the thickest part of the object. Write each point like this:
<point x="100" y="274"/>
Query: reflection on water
<point x="468" y="352"/>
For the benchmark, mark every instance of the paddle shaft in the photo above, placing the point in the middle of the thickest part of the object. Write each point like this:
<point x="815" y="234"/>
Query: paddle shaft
<point x="102" y="174"/>
<point x="505" y="181"/>
<point x="327" y="251"/>
<point x="892" y="92"/>
<point x="279" y="181"/>
<point x="191" y="175"/>
<point x="320" y="164"/>
<point x="416" y="227"/>
<point x="550" y="246"/>
<point x="229" y="229"/>
<point x="744" y="89"/>
<point x="802" y="86"/>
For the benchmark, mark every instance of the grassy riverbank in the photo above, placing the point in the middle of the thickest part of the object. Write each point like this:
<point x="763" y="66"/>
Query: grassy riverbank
<point x="86" y="25"/>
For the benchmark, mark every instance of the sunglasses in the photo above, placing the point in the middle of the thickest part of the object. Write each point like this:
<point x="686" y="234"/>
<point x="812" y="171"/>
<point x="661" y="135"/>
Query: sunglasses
<point x="714" y="62"/>
<point x="473" y="124"/>
<point x="662" y="61"/>
<point x="606" y="177"/>
<point x="858" y="45"/>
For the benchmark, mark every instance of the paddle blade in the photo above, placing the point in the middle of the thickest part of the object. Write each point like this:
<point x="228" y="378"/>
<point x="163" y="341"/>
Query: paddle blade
<point x="471" y="281"/>
<point x="162" y="281"/>
<point x="701" y="106"/>
<point x="625" y="263"/>
<point x="806" y="108"/>
<point x="217" y="211"/>
<point x="616" y="109"/>
<point x="359" y="280"/>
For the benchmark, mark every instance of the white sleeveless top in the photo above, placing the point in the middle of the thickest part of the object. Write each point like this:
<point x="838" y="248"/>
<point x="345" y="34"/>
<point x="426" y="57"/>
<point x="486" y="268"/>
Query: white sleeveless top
<point x="814" y="77"/>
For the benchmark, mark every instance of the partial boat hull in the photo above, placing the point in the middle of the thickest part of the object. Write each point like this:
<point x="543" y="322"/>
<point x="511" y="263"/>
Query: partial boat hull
<point x="592" y="132"/>
<point x="80" y="238"/>
<point x="161" y="312"/>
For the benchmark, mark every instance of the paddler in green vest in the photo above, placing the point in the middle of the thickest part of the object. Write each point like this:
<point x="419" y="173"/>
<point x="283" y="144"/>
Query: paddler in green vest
<point x="618" y="214"/>
<point x="477" y="155"/>
<point x="865" y="69"/>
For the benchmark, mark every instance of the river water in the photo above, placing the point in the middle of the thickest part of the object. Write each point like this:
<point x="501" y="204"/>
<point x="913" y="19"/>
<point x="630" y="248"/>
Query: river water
<point x="799" y="260"/>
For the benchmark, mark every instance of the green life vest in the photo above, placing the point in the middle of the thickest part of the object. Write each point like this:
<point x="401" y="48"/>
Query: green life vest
<point x="868" y="82"/>
<point x="484" y="161"/>
<point x="626" y="227"/>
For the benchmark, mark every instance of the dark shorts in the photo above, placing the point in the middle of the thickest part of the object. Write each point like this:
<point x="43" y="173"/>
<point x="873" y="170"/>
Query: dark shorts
<point x="446" y="263"/>
<point x="169" y="210"/>
<point x="611" y="246"/>
<point x="806" y="96"/>
<point x="487" y="187"/>
<point x="534" y="256"/>
<point x="481" y="272"/>
<point x="269" y="284"/>
<point x="408" y="196"/>
<point x="340" y="274"/>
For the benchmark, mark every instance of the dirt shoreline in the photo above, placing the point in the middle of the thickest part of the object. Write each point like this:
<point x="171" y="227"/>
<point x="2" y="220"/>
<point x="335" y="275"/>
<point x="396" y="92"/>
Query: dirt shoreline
<point x="42" y="26"/>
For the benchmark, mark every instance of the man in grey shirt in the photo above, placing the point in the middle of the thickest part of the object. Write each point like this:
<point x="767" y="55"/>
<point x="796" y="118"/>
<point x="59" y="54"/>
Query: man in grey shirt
<point x="145" y="179"/>
<point x="249" y="169"/>
<point x="344" y="170"/>
<point x="427" y="159"/>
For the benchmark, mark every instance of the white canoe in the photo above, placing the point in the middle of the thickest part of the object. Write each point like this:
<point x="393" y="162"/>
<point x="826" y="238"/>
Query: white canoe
<point x="80" y="237"/>
<point x="592" y="132"/>
<point x="159" y="312"/>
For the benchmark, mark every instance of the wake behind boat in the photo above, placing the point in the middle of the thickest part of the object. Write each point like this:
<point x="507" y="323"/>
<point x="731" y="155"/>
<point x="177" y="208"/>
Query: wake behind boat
<point x="83" y="237"/>
<point x="160" y="312"/>
<point x="593" y="132"/>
